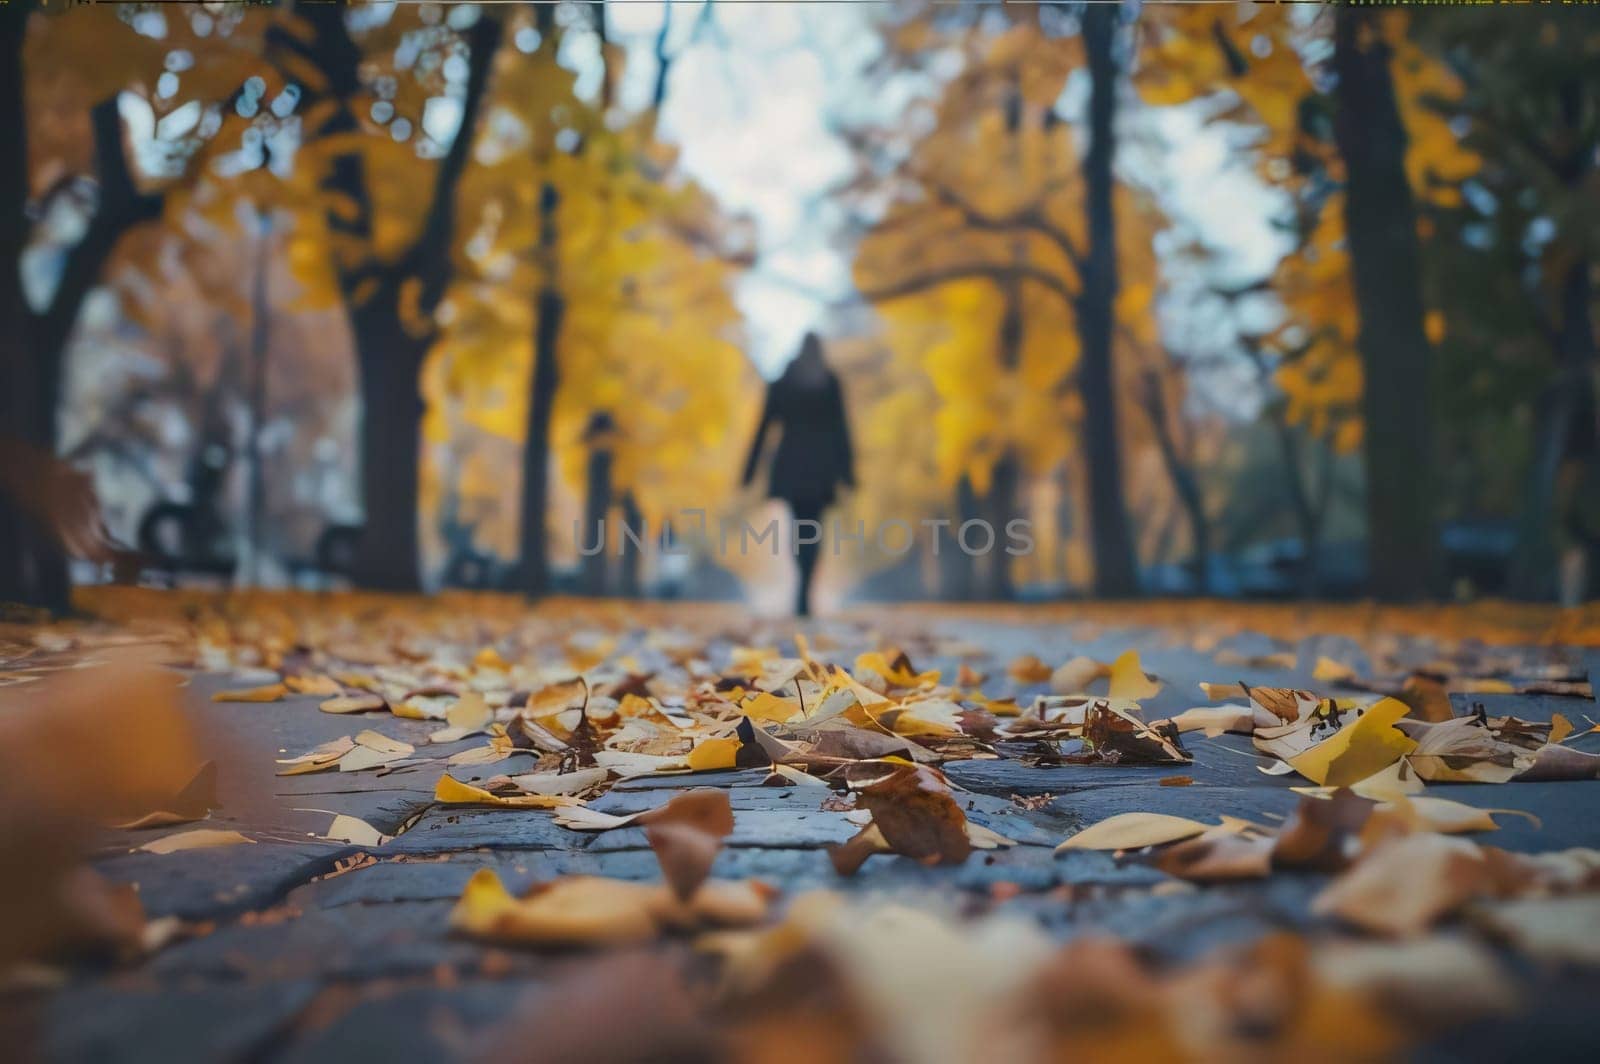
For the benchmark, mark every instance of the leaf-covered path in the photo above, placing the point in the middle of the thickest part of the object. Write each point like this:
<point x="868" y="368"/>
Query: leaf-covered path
<point x="289" y="946"/>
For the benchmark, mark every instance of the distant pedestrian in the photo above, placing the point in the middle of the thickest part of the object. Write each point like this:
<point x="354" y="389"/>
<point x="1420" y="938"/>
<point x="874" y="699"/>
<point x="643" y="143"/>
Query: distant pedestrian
<point x="813" y="455"/>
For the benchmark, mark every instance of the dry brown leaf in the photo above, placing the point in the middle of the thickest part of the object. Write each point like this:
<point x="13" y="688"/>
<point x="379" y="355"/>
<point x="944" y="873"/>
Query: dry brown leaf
<point x="914" y="812"/>
<point x="686" y="835"/>
<point x="1029" y="669"/>
<point x="1407" y="883"/>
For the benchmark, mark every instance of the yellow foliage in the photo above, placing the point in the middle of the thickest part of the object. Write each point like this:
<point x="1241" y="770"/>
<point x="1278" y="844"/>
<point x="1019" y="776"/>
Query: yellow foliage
<point x="649" y="332"/>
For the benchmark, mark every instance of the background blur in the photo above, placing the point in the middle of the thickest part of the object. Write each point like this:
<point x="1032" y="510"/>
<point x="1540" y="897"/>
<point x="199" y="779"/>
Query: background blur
<point x="1250" y="300"/>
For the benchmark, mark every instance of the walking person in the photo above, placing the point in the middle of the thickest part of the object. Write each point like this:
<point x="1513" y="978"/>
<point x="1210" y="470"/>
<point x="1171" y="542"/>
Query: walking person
<point x="813" y="455"/>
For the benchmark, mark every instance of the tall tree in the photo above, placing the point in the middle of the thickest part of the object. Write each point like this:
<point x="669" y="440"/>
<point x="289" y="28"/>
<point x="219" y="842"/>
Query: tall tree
<point x="550" y="308"/>
<point x="392" y="289"/>
<point x="1001" y="200"/>
<point x="1386" y="270"/>
<point x="1520" y="265"/>
<point x="103" y="57"/>
<point x="1115" y="569"/>
<point x="598" y="288"/>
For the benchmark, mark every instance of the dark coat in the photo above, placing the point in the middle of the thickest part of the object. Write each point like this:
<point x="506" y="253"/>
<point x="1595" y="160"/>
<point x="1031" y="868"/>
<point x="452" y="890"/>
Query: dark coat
<point x="814" y="455"/>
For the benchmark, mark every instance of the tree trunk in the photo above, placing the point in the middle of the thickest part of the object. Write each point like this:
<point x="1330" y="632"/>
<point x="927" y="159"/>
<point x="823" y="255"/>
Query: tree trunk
<point x="389" y="356"/>
<point x="1566" y="426"/>
<point x="34" y="570"/>
<point x="1381" y="222"/>
<point x="1307" y="516"/>
<point x="1184" y="484"/>
<point x="596" y="505"/>
<point x="391" y="433"/>
<point x="15" y="384"/>
<point x="628" y="567"/>
<point x="1115" y="570"/>
<point x="956" y="571"/>
<point x="1002" y="508"/>
<point x="541" y="405"/>
<point x="1567" y="410"/>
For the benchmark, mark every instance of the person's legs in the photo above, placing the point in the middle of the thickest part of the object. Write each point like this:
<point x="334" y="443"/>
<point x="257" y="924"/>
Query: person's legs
<point x="806" y="554"/>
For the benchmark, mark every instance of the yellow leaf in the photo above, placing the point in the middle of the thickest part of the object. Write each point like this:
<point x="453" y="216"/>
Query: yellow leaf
<point x="271" y="692"/>
<point x="312" y="685"/>
<point x="1132" y="831"/>
<point x="1128" y="681"/>
<point x="713" y="754"/>
<point x="764" y="706"/>
<point x="898" y="674"/>
<point x="1358" y="750"/>
<point x="1330" y="671"/>
<point x="351" y="704"/>
<point x="452" y="791"/>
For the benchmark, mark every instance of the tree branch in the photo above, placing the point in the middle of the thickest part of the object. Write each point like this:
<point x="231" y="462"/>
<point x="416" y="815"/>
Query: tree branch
<point x="1000" y="273"/>
<point x="119" y="195"/>
<point x="1027" y="218"/>
<point x="429" y="256"/>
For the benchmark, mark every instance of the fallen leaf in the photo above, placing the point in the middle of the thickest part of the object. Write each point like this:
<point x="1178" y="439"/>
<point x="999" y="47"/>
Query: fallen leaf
<point x="1329" y="671"/>
<point x="1215" y="720"/>
<point x="686" y="834"/>
<point x="1358" y="750"/>
<point x="1218" y="854"/>
<point x="916" y="815"/>
<point x="894" y="667"/>
<point x="1322" y="834"/>
<point x="1427" y="698"/>
<point x="197" y="839"/>
<point x="1128" y="681"/>
<point x="468" y="716"/>
<point x="710" y="755"/>
<point x="361" y="703"/>
<point x="1075" y="676"/>
<point x="574" y="782"/>
<point x="451" y="791"/>
<point x="594" y="911"/>
<point x="1133" y="831"/>
<point x="320" y="759"/>
<point x="271" y="692"/>
<point x="355" y="831"/>
<point x="1407" y="883"/>
<point x="1547" y="930"/>
<point x="372" y="750"/>
<point x="1028" y="669"/>
<point x="574" y="911"/>
<point x="194" y="802"/>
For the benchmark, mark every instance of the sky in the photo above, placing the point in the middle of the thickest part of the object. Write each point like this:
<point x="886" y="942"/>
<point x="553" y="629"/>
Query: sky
<point x="752" y="102"/>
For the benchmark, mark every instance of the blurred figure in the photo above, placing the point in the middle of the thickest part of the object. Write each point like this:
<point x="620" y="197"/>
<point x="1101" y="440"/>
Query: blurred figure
<point x="813" y="456"/>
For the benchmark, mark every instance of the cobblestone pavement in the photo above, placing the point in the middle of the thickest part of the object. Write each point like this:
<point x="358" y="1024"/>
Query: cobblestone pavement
<point x="324" y="951"/>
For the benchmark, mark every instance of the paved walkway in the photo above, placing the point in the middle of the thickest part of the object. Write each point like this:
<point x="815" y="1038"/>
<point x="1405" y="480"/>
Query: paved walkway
<point x="325" y="951"/>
